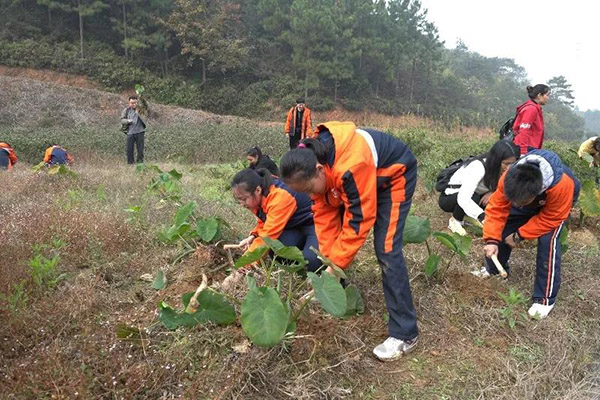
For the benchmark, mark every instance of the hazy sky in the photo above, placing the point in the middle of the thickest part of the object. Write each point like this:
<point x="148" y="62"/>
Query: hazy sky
<point x="547" y="38"/>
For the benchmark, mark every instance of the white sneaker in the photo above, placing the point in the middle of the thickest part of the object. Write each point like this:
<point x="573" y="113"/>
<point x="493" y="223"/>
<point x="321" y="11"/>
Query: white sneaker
<point x="481" y="273"/>
<point x="539" y="311"/>
<point x="456" y="226"/>
<point x="392" y="349"/>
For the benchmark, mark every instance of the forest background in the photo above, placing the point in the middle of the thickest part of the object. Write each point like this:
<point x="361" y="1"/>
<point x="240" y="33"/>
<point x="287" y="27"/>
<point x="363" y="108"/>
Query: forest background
<point x="253" y="58"/>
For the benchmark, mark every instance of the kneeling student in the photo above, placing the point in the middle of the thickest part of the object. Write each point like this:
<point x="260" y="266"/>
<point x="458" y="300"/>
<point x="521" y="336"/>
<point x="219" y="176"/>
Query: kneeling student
<point x="56" y="155"/>
<point x="471" y="186"/>
<point x="533" y="201"/>
<point x="280" y="212"/>
<point x="8" y="158"/>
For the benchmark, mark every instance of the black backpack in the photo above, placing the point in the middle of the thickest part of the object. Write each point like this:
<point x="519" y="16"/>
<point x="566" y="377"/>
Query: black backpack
<point x="443" y="178"/>
<point x="506" y="131"/>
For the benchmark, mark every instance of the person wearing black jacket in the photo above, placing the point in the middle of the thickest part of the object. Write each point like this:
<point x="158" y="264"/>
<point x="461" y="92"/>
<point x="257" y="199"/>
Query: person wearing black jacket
<point x="259" y="160"/>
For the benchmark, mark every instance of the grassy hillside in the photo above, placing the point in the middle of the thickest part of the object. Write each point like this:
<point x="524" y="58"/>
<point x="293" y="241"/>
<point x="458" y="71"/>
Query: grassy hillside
<point x="59" y="335"/>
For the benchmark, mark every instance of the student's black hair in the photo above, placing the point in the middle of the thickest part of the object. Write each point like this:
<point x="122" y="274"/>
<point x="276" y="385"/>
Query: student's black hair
<point x="500" y="151"/>
<point x="301" y="163"/>
<point x="299" y="100"/>
<point x="533" y="91"/>
<point x="254" y="152"/>
<point x="523" y="182"/>
<point x="250" y="179"/>
<point x="597" y="144"/>
<point x="133" y="97"/>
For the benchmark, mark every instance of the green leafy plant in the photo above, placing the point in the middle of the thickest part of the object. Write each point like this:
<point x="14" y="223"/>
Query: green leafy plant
<point x="269" y="313"/>
<point x="54" y="169"/>
<point x="589" y="201"/>
<point x="17" y="298"/>
<point x="189" y="230"/>
<point x="418" y="230"/>
<point x="511" y="313"/>
<point x="43" y="267"/>
<point x="166" y="183"/>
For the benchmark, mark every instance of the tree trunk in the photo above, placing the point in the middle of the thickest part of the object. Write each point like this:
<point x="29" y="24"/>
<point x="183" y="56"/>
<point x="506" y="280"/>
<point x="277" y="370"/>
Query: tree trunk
<point x="80" y="27"/>
<point x="203" y="72"/>
<point x="335" y="88"/>
<point x="306" y="86"/>
<point x="412" y="82"/>
<point x="125" y="31"/>
<point x="49" y="18"/>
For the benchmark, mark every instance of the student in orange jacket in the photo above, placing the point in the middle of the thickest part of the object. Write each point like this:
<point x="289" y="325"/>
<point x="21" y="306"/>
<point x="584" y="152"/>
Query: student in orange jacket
<point x="298" y="124"/>
<point x="532" y="201"/>
<point x="281" y="213"/>
<point x="8" y="158"/>
<point x="359" y="179"/>
<point x="56" y="155"/>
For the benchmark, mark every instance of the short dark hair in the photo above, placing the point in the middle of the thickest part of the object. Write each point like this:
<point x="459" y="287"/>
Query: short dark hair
<point x="540" y="88"/>
<point x="254" y="152"/>
<point x="250" y="179"/>
<point x="523" y="182"/>
<point x="299" y="100"/>
<point x="597" y="143"/>
<point x="133" y="97"/>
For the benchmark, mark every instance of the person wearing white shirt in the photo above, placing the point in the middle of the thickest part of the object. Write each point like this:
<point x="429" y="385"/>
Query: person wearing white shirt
<point x="471" y="186"/>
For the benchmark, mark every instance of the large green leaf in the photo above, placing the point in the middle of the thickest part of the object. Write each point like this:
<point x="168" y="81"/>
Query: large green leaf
<point x="328" y="263"/>
<point x="354" y="302"/>
<point x="286" y="252"/>
<point x="329" y="292"/>
<point x="463" y="244"/>
<point x="264" y="318"/>
<point x="416" y="229"/>
<point x="207" y="229"/>
<point x="431" y="266"/>
<point x="589" y="199"/>
<point x="447" y="240"/>
<point x="212" y="306"/>
<point x="184" y="213"/>
<point x="175" y="174"/>
<point x="251" y="256"/>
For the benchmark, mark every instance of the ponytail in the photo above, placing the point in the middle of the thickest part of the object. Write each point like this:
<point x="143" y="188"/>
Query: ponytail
<point x="251" y="179"/>
<point x="533" y="91"/>
<point x="300" y="164"/>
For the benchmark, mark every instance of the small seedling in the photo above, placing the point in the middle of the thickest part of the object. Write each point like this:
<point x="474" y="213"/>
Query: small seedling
<point x="510" y="313"/>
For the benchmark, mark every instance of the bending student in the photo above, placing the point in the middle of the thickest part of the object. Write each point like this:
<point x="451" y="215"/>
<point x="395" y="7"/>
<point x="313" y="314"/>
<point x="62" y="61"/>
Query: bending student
<point x="280" y="213"/>
<point x="533" y="201"/>
<point x="359" y="179"/>
<point x="8" y="158"/>
<point x="471" y="186"/>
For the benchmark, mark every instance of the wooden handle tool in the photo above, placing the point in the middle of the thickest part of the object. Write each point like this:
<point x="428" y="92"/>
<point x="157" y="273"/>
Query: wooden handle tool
<point x="499" y="267"/>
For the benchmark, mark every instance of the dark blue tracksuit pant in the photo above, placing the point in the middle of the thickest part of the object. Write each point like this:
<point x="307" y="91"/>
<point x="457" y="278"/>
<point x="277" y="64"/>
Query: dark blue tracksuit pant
<point x="402" y="322"/>
<point x="303" y="237"/>
<point x="547" y="277"/>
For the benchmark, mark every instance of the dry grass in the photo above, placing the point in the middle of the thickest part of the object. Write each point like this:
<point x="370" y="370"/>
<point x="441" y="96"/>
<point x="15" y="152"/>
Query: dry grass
<point x="62" y="344"/>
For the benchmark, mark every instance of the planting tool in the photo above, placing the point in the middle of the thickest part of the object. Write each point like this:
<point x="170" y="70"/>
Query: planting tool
<point x="499" y="266"/>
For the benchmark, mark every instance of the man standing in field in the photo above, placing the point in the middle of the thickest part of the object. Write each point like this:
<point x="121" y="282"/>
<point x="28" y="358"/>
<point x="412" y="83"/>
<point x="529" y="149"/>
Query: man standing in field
<point x="298" y="125"/>
<point x="134" y="127"/>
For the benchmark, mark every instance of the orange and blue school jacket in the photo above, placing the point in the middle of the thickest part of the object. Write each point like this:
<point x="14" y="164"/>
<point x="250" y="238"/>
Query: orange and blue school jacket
<point x="559" y="193"/>
<point x="281" y="208"/>
<point x="290" y="123"/>
<point x="359" y="162"/>
<point x="56" y="155"/>
<point x="8" y="153"/>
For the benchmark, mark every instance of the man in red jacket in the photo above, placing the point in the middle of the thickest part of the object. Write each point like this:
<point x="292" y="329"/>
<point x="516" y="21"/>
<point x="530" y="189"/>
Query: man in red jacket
<point x="529" y="123"/>
<point x="298" y="125"/>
